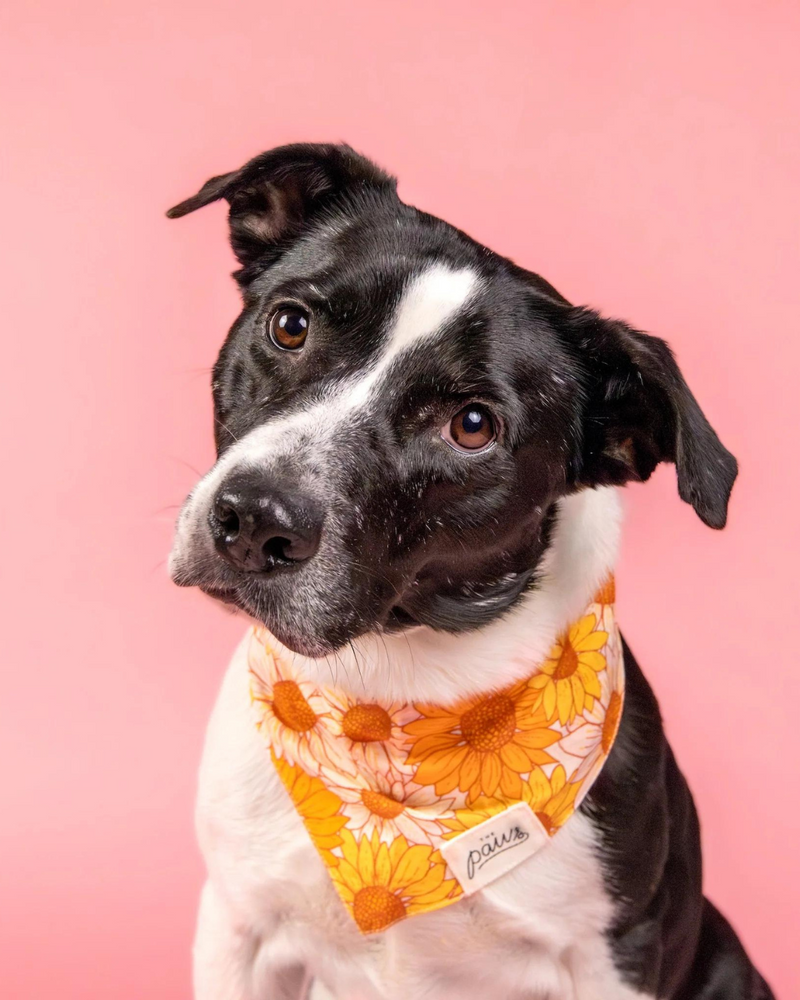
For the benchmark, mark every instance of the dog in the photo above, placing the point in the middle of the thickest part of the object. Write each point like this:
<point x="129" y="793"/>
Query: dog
<point x="420" y="446"/>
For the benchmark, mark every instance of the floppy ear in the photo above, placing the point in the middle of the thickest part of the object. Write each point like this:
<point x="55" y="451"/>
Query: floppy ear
<point x="639" y="412"/>
<point x="274" y="196"/>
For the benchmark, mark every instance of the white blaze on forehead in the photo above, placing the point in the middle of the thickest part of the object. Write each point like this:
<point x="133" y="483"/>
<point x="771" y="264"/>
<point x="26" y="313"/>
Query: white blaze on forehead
<point x="428" y="302"/>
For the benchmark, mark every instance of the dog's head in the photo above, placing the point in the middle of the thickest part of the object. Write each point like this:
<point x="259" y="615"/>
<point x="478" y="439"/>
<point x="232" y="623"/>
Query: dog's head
<point x="398" y="409"/>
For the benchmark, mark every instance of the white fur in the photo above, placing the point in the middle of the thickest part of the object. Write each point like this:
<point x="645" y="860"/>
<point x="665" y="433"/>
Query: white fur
<point x="428" y="302"/>
<point x="269" y="914"/>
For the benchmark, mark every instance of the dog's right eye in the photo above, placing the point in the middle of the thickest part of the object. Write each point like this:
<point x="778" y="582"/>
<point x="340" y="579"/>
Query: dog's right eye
<point x="288" y="328"/>
<point x="471" y="429"/>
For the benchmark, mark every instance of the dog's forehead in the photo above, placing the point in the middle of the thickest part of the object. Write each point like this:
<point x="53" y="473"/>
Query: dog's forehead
<point x="430" y="302"/>
<point x="403" y="283"/>
<point x="374" y="252"/>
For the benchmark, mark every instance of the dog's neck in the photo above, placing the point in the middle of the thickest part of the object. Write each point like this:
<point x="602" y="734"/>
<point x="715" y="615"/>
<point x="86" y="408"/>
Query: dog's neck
<point x="422" y="665"/>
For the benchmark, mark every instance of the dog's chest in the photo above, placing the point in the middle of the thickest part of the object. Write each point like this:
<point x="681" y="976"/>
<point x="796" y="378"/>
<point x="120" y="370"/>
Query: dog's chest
<point x="535" y="933"/>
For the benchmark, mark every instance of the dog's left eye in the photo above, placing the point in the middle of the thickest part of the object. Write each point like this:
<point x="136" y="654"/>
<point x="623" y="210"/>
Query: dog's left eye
<point x="288" y="328"/>
<point x="471" y="429"/>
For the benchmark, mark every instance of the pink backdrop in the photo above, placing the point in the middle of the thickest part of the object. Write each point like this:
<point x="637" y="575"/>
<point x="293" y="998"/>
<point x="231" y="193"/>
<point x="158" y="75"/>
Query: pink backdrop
<point x="644" y="157"/>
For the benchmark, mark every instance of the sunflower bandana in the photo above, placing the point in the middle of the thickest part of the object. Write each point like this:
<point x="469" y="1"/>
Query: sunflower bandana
<point x="413" y="806"/>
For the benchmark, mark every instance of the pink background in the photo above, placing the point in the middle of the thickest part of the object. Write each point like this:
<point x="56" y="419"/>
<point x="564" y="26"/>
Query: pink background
<point x="644" y="157"/>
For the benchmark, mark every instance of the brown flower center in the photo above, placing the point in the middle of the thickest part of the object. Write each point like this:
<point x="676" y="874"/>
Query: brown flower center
<point x="490" y="724"/>
<point x="291" y="707"/>
<point x="611" y="721"/>
<point x="366" y="723"/>
<point x="375" y="908"/>
<point x="567" y="662"/>
<point x="546" y="822"/>
<point x="607" y="594"/>
<point x="380" y="804"/>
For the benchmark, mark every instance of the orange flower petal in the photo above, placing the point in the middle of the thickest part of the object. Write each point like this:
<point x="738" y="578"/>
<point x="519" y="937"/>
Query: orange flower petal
<point x="412" y="867"/>
<point x="537" y="739"/>
<point x="383" y="867"/>
<point x="429" y="727"/>
<point x="511" y="784"/>
<point x="447" y="784"/>
<point x="490" y="773"/>
<point x="549" y="700"/>
<point x="319" y="804"/>
<point x="563" y="700"/>
<point x="439" y="764"/>
<point x="366" y="862"/>
<point x="435" y="712"/>
<point x="430" y="881"/>
<point x="326" y="825"/>
<point x="590" y="681"/>
<point x="349" y="875"/>
<point x="589" y="658"/>
<point x="579" y="631"/>
<point x="538" y="788"/>
<point x="470" y="770"/>
<point x="426" y="746"/>
<point x="577" y="693"/>
<point x="515" y="758"/>
<point x="397" y="849"/>
<point x="420" y="903"/>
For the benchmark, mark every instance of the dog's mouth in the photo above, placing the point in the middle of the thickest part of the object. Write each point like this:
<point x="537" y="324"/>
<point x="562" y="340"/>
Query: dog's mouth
<point x="399" y="619"/>
<point x="404" y="609"/>
<point x="226" y="595"/>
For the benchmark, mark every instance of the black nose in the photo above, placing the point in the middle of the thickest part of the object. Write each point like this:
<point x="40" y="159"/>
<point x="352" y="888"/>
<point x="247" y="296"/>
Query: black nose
<point x="257" y="528"/>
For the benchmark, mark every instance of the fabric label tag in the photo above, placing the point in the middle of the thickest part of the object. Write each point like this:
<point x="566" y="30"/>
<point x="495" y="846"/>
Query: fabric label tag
<point x="484" y="853"/>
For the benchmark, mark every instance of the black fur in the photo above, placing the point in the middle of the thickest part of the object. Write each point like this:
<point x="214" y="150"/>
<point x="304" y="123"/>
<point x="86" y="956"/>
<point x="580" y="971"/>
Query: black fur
<point x="668" y="940"/>
<point x="431" y="536"/>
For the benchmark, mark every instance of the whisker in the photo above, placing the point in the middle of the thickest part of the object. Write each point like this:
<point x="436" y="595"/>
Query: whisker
<point x="182" y="461"/>
<point x="227" y="429"/>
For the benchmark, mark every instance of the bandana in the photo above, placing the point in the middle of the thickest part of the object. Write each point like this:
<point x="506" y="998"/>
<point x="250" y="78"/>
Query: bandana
<point x="414" y="806"/>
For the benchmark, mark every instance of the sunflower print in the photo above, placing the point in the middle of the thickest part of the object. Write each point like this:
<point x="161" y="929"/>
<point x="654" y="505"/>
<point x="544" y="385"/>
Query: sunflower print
<point x="292" y="714"/>
<point x="568" y="679"/>
<point x="591" y="737"/>
<point x="381" y="788"/>
<point x="483" y="745"/>
<point x="368" y="732"/>
<point x="552" y="801"/>
<point x="382" y="883"/>
<point x="391" y="805"/>
<point x="319" y="808"/>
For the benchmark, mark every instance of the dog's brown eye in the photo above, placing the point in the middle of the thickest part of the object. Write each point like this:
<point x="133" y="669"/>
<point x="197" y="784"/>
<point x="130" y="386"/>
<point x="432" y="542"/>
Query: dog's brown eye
<point x="288" y="328"/>
<point x="471" y="429"/>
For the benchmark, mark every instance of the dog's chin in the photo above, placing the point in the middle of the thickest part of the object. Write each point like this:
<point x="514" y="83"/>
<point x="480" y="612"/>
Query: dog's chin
<point x="296" y="637"/>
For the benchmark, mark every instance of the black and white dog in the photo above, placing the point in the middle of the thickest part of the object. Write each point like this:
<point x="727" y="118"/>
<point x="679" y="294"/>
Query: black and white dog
<point x="419" y="445"/>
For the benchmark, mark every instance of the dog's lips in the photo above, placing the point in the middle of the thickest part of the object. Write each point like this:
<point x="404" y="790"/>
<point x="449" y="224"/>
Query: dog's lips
<point x="399" y="619"/>
<point x="228" y="595"/>
<point x="241" y="593"/>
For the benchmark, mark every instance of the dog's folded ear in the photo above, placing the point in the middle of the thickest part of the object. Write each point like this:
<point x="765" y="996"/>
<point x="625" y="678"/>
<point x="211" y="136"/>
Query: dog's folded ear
<point x="277" y="194"/>
<point x="639" y="411"/>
